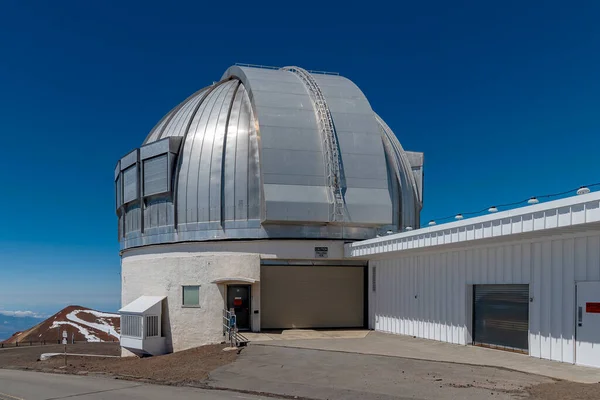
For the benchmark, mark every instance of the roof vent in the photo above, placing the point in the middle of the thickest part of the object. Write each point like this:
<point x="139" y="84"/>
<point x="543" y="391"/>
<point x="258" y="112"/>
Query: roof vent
<point x="533" y="200"/>
<point x="431" y="223"/>
<point x="459" y="216"/>
<point x="583" y="190"/>
<point x="493" y="209"/>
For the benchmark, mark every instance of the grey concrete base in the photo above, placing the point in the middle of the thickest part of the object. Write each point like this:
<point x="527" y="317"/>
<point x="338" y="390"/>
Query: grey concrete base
<point x="19" y="385"/>
<point x="324" y="375"/>
<point x="377" y="343"/>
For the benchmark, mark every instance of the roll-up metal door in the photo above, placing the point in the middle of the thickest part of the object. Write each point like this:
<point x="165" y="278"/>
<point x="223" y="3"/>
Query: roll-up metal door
<point x="501" y="316"/>
<point x="311" y="297"/>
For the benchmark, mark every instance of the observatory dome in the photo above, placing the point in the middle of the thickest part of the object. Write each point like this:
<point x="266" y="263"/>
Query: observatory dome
<point x="268" y="153"/>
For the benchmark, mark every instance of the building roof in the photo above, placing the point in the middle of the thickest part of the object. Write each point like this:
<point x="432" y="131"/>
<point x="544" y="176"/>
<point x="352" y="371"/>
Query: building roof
<point x="538" y="219"/>
<point x="268" y="153"/>
<point x="142" y="304"/>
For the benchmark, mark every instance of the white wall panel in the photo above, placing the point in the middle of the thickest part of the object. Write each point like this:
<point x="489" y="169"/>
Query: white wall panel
<point x="439" y="279"/>
<point x="556" y="302"/>
<point x="568" y="301"/>
<point x="546" y="298"/>
<point x="593" y="259"/>
<point x="535" y="313"/>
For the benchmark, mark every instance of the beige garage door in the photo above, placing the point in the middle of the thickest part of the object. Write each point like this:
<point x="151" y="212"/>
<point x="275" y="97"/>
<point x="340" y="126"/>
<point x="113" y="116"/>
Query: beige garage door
<point x="311" y="297"/>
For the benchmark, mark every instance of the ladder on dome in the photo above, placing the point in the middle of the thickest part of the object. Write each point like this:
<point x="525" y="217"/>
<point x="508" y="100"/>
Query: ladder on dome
<point x="330" y="143"/>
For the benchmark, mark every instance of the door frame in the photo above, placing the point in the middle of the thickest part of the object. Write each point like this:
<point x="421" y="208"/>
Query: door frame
<point x="249" y="300"/>
<point x="576" y="319"/>
<point x="471" y="330"/>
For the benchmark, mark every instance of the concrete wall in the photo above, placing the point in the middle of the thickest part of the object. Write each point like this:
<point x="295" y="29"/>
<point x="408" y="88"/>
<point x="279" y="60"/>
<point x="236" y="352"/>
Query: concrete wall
<point x="268" y="249"/>
<point x="166" y="273"/>
<point x="425" y="292"/>
<point x="164" y="269"/>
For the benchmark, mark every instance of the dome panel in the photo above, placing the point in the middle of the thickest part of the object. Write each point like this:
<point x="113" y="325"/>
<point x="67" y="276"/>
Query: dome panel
<point x="199" y="172"/>
<point x="249" y="157"/>
<point x="176" y="121"/>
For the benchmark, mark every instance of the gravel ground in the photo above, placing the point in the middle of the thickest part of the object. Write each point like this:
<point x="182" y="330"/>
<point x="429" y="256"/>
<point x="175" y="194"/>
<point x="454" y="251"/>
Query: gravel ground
<point x="305" y="373"/>
<point x="565" y="391"/>
<point x="26" y="357"/>
<point x="185" y="367"/>
<point x="182" y="368"/>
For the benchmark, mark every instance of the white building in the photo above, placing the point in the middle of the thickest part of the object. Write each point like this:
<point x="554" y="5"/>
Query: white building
<point x="279" y="193"/>
<point x="526" y="279"/>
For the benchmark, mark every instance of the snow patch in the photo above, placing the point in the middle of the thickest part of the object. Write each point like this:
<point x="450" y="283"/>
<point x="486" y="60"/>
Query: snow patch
<point x="103" y="327"/>
<point x="101" y="314"/>
<point x="88" y="336"/>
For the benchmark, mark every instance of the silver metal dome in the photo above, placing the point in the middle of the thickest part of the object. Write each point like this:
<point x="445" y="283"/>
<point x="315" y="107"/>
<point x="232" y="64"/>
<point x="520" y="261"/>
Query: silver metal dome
<point x="268" y="153"/>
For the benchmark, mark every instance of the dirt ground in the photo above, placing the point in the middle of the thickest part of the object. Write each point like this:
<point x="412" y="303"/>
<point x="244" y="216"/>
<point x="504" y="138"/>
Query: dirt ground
<point x="23" y="357"/>
<point x="185" y="367"/>
<point x="565" y="391"/>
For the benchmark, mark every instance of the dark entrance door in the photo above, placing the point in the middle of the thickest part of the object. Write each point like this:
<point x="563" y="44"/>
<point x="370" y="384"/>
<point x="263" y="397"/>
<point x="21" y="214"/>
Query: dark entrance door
<point x="238" y="298"/>
<point x="501" y="316"/>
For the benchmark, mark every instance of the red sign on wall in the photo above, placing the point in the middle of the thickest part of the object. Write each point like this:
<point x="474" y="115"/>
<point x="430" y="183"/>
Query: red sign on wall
<point x="592" y="308"/>
<point x="237" y="301"/>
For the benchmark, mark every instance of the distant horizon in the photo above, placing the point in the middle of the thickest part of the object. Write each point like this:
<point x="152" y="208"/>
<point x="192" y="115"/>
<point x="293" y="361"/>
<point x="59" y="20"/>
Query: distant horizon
<point x="43" y="312"/>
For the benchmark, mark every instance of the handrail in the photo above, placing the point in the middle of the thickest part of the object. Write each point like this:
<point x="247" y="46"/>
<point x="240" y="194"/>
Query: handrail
<point x="277" y="68"/>
<point x="234" y="337"/>
<point x="328" y="136"/>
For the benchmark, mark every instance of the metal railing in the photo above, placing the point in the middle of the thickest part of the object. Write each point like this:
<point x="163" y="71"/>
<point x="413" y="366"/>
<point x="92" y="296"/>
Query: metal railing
<point x="230" y="329"/>
<point x="329" y="138"/>
<point x="277" y="68"/>
<point x="28" y="343"/>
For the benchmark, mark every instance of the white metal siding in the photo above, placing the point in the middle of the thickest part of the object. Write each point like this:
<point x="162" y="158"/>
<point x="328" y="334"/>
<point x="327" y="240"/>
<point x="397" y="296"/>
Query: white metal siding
<point x="566" y="212"/>
<point x="426" y="294"/>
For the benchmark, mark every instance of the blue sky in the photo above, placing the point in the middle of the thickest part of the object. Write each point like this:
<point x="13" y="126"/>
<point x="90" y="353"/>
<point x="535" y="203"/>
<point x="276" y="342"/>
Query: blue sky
<point x="502" y="97"/>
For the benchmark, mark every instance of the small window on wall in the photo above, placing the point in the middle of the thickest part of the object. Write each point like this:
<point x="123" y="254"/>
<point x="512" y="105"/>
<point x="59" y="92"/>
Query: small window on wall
<point x="191" y="296"/>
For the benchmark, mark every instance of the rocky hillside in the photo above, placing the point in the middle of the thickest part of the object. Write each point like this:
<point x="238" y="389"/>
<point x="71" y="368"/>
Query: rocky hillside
<point x="86" y="325"/>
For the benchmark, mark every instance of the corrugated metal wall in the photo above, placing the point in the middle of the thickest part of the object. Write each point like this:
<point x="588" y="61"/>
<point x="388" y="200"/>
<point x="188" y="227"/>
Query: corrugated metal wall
<point x="428" y="294"/>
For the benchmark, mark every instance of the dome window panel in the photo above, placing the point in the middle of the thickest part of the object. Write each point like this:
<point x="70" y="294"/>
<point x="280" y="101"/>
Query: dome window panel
<point x="118" y="192"/>
<point x="118" y="186"/>
<point x="156" y="175"/>
<point x="130" y="184"/>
